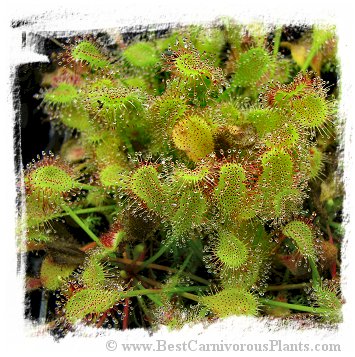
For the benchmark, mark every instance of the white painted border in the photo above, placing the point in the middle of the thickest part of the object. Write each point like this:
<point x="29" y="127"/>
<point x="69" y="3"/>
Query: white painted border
<point x="84" y="15"/>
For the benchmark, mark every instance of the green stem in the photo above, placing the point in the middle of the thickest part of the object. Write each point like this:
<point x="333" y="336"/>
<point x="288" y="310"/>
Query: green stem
<point x="158" y="254"/>
<point x="144" y="307"/>
<point x="335" y="225"/>
<point x="313" y="310"/>
<point x="316" y="45"/>
<point x="84" y="211"/>
<point x="182" y="268"/>
<point x="184" y="265"/>
<point x="95" y="209"/>
<point x="152" y="297"/>
<point x="315" y="274"/>
<point x="88" y="187"/>
<point x="277" y="40"/>
<point x="309" y="59"/>
<point x="82" y="225"/>
<point x="191" y="296"/>
<point x="196" y="278"/>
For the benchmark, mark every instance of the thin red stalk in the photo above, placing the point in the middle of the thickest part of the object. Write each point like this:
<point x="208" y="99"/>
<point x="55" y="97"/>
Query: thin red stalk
<point x="88" y="246"/>
<point x="126" y="314"/>
<point x="101" y="321"/>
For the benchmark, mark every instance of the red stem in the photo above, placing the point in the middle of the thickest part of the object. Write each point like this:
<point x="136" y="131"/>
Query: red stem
<point x="101" y="321"/>
<point x="88" y="246"/>
<point x="126" y="314"/>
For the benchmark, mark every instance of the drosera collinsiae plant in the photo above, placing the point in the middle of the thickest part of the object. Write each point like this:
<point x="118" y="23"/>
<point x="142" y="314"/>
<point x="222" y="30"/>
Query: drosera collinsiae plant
<point x="185" y="188"/>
